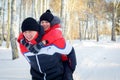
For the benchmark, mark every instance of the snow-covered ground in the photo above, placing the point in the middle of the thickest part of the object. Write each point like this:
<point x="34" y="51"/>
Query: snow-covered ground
<point x="13" y="69"/>
<point x="95" y="61"/>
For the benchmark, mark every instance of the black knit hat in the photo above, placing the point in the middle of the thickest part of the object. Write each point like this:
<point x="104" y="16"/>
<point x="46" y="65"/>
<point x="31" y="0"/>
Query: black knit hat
<point x="47" y="16"/>
<point x="30" y="24"/>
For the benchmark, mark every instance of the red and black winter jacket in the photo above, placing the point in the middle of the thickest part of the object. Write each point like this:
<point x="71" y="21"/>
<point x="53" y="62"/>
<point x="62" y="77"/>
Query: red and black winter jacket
<point x="54" y="37"/>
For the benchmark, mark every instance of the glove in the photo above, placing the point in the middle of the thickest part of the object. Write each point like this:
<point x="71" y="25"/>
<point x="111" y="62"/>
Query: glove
<point x="32" y="48"/>
<point x="36" y="48"/>
<point x="23" y="42"/>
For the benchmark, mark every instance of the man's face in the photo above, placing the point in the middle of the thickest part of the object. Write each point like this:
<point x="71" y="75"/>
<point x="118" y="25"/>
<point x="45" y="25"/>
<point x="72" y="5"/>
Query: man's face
<point x="45" y="24"/>
<point x="29" y="35"/>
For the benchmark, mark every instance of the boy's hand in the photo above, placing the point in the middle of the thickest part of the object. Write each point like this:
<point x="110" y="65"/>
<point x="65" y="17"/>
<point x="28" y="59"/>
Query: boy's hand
<point x="33" y="48"/>
<point x="23" y="42"/>
<point x="30" y="47"/>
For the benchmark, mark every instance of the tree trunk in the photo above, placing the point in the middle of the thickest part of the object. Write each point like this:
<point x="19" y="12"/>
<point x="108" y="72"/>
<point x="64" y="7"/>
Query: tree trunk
<point x="2" y="22"/>
<point x="25" y="10"/>
<point x="12" y="32"/>
<point x="44" y="5"/>
<point x="80" y="24"/>
<point x="96" y="24"/>
<point x="36" y="10"/>
<point x="1" y="39"/>
<point x="113" y="38"/>
<point x="8" y="28"/>
<point x="3" y="26"/>
<point x="41" y="7"/>
<point x="63" y="16"/>
<point x="33" y="8"/>
<point x="20" y="15"/>
<point x="47" y="4"/>
<point x="85" y="37"/>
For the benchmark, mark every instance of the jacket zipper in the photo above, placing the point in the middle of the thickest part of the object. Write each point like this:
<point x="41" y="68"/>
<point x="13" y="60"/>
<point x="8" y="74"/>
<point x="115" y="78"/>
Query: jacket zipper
<point x="40" y="67"/>
<point x="38" y="64"/>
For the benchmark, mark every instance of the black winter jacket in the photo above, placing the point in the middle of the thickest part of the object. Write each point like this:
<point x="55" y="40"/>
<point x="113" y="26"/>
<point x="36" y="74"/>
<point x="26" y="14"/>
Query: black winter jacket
<point x="47" y="64"/>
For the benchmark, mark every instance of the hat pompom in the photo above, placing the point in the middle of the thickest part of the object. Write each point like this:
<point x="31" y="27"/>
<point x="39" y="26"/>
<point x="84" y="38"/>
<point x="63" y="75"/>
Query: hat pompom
<point x="48" y="11"/>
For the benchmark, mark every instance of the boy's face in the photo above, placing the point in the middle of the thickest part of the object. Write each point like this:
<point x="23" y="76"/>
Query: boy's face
<point x="29" y="35"/>
<point x="45" y="24"/>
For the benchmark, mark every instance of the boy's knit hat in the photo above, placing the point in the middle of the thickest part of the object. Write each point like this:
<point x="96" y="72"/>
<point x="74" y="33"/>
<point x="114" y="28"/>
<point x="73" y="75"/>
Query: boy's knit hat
<point x="47" y="16"/>
<point x="30" y="24"/>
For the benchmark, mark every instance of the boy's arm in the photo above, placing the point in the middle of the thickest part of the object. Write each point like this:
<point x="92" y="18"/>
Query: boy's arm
<point x="52" y="36"/>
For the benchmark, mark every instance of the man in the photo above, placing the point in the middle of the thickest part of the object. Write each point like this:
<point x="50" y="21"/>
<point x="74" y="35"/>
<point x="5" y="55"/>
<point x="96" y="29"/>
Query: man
<point x="46" y="64"/>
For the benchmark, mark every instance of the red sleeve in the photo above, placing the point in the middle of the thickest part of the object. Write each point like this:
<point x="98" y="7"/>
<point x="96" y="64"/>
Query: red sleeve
<point x="55" y="37"/>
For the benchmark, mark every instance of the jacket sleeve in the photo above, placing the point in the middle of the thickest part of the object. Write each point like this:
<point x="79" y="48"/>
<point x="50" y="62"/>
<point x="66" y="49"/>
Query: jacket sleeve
<point x="54" y="35"/>
<point x="72" y="60"/>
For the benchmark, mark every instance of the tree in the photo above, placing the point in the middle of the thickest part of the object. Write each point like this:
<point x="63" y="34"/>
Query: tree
<point x="113" y="14"/>
<point x="12" y="32"/>
<point x="2" y="21"/>
<point x="96" y="25"/>
<point x="20" y="14"/>
<point x="36" y="10"/>
<point x="114" y="18"/>
<point x="8" y="27"/>
<point x="3" y="25"/>
<point x="63" y="15"/>
<point x="41" y="7"/>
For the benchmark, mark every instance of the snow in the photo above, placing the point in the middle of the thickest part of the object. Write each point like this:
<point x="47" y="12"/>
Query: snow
<point x="13" y="69"/>
<point x="95" y="61"/>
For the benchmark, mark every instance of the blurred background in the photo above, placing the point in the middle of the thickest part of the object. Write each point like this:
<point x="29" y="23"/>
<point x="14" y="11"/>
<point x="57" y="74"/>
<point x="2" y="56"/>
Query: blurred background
<point x="80" y="19"/>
